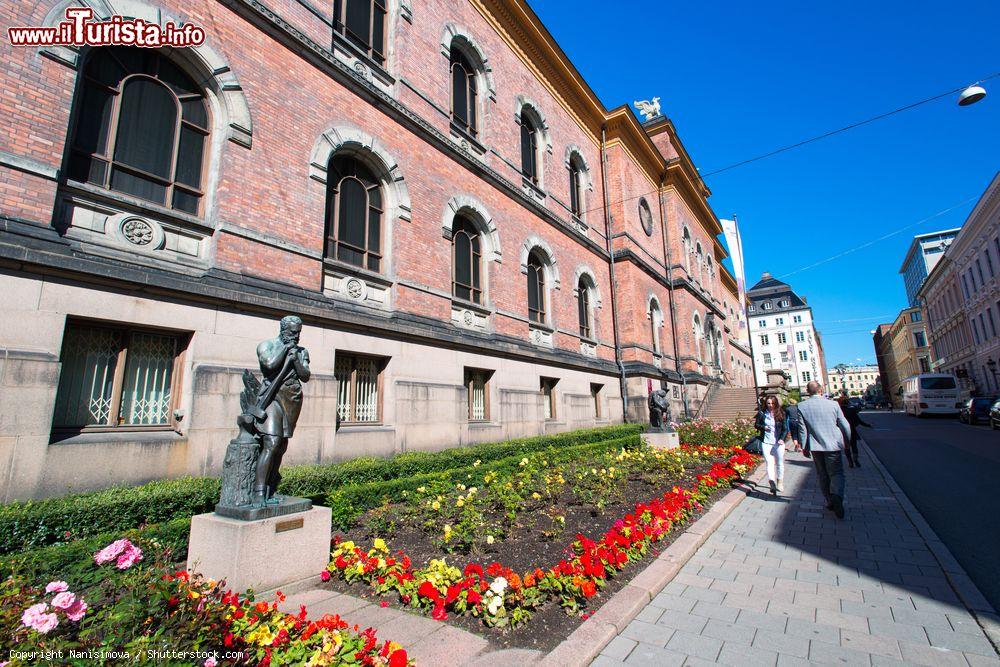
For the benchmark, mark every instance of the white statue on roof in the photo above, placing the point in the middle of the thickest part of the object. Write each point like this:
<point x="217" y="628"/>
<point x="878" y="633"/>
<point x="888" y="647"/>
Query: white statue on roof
<point x="649" y="109"/>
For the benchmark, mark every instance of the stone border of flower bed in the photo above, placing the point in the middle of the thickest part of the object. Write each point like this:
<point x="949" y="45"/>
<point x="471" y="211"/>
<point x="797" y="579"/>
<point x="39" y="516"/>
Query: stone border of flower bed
<point x="590" y="638"/>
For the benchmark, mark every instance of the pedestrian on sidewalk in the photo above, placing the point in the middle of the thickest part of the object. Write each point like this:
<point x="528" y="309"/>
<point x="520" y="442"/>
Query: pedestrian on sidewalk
<point x="794" y="423"/>
<point x="826" y="431"/>
<point x="772" y="425"/>
<point x="853" y="415"/>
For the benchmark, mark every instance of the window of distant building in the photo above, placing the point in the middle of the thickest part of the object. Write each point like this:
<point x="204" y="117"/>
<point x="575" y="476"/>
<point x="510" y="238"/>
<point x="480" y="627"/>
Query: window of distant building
<point x="800" y="337"/>
<point x="782" y="339"/>
<point x="796" y="319"/>
<point x="142" y="128"/>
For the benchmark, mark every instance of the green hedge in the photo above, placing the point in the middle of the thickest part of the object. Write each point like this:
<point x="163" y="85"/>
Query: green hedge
<point x="28" y="525"/>
<point x="349" y="502"/>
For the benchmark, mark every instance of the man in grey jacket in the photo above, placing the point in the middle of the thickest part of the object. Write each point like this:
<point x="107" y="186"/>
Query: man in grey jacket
<point x="825" y="431"/>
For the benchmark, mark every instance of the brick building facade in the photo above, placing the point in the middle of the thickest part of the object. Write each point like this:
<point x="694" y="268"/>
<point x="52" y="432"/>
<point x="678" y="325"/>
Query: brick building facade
<point x="478" y="248"/>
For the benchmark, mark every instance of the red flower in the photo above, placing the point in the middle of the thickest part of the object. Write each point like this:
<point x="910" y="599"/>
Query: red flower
<point x="427" y="590"/>
<point x="324" y="575"/>
<point x="588" y="589"/>
<point x="439" y="613"/>
<point x="398" y="658"/>
<point x="280" y="596"/>
<point x="473" y="597"/>
<point x="383" y="604"/>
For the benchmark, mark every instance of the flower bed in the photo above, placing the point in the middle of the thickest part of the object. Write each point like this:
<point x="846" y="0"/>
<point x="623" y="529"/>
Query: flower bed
<point x="733" y="433"/>
<point x="520" y="510"/>
<point x="157" y="616"/>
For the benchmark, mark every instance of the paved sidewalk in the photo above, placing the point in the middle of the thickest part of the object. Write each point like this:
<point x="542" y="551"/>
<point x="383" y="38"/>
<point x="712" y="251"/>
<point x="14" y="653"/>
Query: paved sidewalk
<point x="783" y="582"/>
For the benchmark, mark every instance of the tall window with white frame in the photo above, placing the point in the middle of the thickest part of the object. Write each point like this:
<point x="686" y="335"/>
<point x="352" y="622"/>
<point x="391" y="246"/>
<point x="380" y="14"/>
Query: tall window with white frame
<point x="142" y="128"/>
<point x="583" y="309"/>
<point x="464" y="93"/>
<point x="466" y="253"/>
<point x="529" y="149"/>
<point x="536" y="288"/>
<point x="362" y="23"/>
<point x="576" y="187"/>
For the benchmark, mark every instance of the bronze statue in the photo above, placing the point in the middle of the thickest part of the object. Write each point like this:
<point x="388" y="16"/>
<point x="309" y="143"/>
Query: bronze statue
<point x="270" y="410"/>
<point x="659" y="410"/>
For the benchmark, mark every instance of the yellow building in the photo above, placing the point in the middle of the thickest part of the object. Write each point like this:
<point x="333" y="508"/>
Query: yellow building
<point x="855" y="380"/>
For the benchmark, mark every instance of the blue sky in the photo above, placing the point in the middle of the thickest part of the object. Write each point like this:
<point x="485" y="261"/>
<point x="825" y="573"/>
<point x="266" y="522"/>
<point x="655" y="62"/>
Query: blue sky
<point x="740" y="79"/>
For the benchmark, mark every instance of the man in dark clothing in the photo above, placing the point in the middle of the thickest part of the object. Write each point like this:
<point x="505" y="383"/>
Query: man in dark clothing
<point x="854" y="419"/>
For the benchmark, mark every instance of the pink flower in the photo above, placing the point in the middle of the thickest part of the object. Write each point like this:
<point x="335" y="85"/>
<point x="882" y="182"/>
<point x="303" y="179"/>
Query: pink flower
<point x="64" y="600"/>
<point x="111" y="552"/>
<point x="323" y="576"/>
<point x="210" y="662"/>
<point x="129" y="557"/>
<point x="36" y="618"/>
<point x="76" y="612"/>
<point x="55" y="587"/>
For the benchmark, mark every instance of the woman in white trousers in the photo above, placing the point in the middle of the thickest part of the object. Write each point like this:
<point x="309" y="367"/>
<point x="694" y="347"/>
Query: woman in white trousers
<point x="772" y="425"/>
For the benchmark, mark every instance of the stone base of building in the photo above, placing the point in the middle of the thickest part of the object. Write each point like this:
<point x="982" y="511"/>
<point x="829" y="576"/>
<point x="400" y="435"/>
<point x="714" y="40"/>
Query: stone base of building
<point x="661" y="440"/>
<point x="261" y="555"/>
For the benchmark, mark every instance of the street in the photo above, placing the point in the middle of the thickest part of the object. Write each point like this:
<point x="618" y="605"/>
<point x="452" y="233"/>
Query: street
<point x="949" y="470"/>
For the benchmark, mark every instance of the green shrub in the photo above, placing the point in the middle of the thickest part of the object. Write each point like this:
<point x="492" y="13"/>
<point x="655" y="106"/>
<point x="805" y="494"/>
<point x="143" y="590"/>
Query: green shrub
<point x="349" y="502"/>
<point x="28" y="525"/>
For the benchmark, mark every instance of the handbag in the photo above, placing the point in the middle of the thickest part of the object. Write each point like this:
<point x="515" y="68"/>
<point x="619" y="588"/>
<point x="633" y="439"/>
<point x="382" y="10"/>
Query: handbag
<point x="755" y="446"/>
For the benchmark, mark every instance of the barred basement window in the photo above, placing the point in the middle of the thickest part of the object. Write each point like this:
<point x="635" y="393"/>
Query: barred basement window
<point x="359" y="378"/>
<point x="477" y="381"/>
<point x="548" y="389"/>
<point x="142" y="127"/>
<point x="362" y="22"/>
<point x="116" y="377"/>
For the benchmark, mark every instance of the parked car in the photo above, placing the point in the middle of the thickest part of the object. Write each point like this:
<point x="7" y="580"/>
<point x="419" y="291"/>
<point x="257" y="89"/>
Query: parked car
<point x="856" y="403"/>
<point x="995" y="416"/>
<point x="976" y="409"/>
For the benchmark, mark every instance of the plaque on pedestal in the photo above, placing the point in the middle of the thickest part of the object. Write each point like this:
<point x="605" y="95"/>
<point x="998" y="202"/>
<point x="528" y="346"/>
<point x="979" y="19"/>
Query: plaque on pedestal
<point x="661" y="439"/>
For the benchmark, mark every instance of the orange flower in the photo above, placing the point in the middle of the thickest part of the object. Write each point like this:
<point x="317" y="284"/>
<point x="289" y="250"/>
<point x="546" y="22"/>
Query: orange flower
<point x="529" y="580"/>
<point x="514" y="581"/>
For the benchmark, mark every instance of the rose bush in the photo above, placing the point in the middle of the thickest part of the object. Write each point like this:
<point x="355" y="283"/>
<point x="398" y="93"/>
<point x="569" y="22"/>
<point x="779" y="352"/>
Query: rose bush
<point x="141" y="607"/>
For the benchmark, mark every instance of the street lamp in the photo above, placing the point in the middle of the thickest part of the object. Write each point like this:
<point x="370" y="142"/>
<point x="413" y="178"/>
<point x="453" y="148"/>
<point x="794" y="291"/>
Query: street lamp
<point x="971" y="95"/>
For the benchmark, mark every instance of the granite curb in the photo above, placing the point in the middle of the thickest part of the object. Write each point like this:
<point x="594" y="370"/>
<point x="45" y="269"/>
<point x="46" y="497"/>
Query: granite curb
<point x="961" y="583"/>
<point x="588" y="640"/>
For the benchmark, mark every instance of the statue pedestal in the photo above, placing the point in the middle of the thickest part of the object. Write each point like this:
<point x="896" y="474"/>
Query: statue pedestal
<point x="661" y="439"/>
<point x="263" y="554"/>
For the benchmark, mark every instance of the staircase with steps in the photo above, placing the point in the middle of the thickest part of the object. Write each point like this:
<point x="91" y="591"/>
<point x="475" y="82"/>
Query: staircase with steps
<point x="728" y="403"/>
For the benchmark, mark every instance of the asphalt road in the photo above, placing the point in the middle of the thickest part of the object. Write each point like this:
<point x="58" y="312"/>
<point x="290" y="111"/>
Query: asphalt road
<point x="951" y="472"/>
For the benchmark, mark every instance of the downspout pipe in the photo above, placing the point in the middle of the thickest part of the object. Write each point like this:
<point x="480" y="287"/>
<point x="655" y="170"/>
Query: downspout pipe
<point x="667" y="256"/>
<point x="614" y="282"/>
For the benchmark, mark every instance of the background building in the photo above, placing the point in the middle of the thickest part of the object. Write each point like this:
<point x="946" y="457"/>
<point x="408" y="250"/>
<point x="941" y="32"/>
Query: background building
<point x="783" y="333"/>
<point x="961" y="298"/>
<point x="855" y="380"/>
<point x="924" y="253"/>
<point x="479" y="248"/>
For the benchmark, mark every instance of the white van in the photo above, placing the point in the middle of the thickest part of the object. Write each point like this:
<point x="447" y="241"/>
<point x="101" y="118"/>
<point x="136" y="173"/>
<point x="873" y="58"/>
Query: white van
<point x="931" y="393"/>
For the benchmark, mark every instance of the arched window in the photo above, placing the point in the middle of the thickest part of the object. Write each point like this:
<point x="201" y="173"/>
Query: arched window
<point x="583" y="308"/>
<point x="529" y="149"/>
<point x="463" y="92"/>
<point x="700" y="258"/>
<point x="655" y="318"/>
<point x="466" y="255"/>
<point x="698" y="334"/>
<point x="686" y="242"/>
<point x="711" y="272"/>
<point x="362" y="22"/>
<point x="536" y="288"/>
<point x="354" y="211"/>
<point x="141" y="128"/>
<point x="576" y="187"/>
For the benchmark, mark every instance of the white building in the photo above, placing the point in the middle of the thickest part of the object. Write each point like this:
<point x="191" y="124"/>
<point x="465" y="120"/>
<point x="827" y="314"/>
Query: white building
<point x="782" y="333"/>
<point x="855" y="380"/>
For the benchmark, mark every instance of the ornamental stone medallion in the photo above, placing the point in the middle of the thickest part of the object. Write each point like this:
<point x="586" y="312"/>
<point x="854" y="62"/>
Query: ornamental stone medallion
<point x="355" y="289"/>
<point x="467" y="318"/>
<point x="137" y="231"/>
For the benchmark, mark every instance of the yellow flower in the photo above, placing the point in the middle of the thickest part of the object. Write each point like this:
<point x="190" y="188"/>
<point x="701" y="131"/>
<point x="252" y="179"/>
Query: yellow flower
<point x="489" y="539"/>
<point x="476" y="464"/>
<point x="535" y="495"/>
<point x="436" y="505"/>
<point x="421" y="489"/>
<point x="380" y="544"/>
<point x="523" y="462"/>
<point x="459" y="502"/>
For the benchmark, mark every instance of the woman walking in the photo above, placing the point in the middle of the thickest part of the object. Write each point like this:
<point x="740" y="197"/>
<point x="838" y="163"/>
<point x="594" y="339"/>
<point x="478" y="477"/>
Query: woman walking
<point x="772" y="425"/>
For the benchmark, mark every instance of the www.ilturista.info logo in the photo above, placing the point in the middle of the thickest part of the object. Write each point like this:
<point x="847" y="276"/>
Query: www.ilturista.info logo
<point x="79" y="29"/>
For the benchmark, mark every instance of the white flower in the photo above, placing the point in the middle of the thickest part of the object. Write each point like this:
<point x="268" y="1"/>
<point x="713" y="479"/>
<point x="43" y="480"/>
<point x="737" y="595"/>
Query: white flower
<point x="499" y="585"/>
